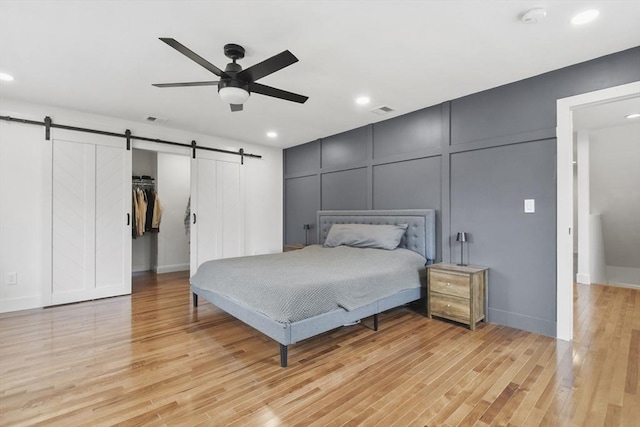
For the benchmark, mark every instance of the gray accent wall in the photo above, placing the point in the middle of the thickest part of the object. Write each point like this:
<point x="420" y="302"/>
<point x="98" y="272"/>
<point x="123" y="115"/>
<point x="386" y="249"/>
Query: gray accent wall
<point x="344" y="189"/>
<point x="305" y="191"/>
<point x="473" y="159"/>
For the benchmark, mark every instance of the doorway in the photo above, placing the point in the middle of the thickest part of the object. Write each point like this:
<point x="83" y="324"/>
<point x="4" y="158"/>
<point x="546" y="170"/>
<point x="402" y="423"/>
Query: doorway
<point x="606" y="221"/>
<point x="564" y="241"/>
<point x="164" y="249"/>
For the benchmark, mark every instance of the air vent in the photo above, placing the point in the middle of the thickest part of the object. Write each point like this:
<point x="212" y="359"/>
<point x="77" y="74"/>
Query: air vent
<point x="381" y="111"/>
<point x="156" y="119"/>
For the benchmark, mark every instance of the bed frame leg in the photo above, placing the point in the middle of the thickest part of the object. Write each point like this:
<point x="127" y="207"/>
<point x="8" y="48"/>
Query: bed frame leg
<point x="375" y="322"/>
<point x="195" y="299"/>
<point x="283" y="355"/>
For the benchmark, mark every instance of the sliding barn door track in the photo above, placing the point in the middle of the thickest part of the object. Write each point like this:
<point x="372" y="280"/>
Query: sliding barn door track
<point x="48" y="124"/>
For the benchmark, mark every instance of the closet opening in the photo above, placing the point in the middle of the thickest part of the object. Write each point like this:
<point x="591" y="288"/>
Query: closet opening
<point x="161" y="247"/>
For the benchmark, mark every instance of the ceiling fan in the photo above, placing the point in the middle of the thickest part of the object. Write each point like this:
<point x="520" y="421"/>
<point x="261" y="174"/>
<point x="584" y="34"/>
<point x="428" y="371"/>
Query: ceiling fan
<point x="235" y="84"/>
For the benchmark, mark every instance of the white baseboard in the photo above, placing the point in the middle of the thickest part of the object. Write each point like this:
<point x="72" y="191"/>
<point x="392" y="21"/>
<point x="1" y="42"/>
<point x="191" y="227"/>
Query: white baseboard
<point x="140" y="268"/>
<point x="623" y="276"/>
<point x="623" y="285"/>
<point x="23" y="303"/>
<point x="585" y="279"/>
<point x="171" y="268"/>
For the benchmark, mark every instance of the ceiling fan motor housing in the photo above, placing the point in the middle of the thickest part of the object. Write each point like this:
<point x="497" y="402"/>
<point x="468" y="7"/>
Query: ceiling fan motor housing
<point x="231" y="70"/>
<point x="233" y="51"/>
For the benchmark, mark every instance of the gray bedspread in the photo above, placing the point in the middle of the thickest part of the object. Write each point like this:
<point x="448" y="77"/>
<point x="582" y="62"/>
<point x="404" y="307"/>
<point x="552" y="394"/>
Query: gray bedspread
<point x="300" y="284"/>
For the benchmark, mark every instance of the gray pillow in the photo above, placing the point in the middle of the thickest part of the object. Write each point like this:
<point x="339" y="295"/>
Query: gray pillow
<point x="365" y="235"/>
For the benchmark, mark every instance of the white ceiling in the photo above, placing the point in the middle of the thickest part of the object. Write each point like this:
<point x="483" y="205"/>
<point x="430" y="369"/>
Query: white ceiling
<point x="102" y="56"/>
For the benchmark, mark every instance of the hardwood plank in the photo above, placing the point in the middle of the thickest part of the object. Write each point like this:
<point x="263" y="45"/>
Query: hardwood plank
<point x="612" y="417"/>
<point x="475" y="413"/>
<point x="151" y="358"/>
<point x="632" y="379"/>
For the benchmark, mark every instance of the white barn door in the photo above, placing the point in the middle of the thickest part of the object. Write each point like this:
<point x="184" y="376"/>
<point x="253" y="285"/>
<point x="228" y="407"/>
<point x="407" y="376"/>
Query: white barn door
<point x="73" y="210"/>
<point x="217" y="215"/>
<point x="91" y="203"/>
<point x="230" y="213"/>
<point x="113" y="221"/>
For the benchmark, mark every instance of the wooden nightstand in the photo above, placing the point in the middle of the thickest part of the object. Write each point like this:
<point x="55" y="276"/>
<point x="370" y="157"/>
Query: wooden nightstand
<point x="287" y="248"/>
<point x="457" y="293"/>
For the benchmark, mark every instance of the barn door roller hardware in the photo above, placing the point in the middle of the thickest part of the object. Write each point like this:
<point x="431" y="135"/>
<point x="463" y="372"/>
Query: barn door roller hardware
<point x="48" y="124"/>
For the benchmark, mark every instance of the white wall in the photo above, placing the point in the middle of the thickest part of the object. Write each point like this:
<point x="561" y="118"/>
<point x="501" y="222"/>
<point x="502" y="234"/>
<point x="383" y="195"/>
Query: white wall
<point x="575" y="195"/>
<point x="25" y="192"/>
<point x="615" y="192"/>
<point x="22" y="214"/>
<point x="581" y="191"/>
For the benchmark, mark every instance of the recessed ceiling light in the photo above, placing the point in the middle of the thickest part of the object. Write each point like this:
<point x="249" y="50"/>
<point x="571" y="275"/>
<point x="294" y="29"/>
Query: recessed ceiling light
<point x="585" y="17"/>
<point x="363" y="100"/>
<point x="271" y="134"/>
<point x="6" y="77"/>
<point x="633" y="116"/>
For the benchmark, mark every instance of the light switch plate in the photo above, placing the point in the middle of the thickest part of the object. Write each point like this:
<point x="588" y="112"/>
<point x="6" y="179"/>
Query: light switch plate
<point x="529" y="205"/>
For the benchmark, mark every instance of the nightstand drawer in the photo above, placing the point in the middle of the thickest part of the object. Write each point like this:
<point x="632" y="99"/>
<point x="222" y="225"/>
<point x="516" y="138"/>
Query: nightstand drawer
<point x="450" y="307"/>
<point x="450" y="276"/>
<point x="449" y="284"/>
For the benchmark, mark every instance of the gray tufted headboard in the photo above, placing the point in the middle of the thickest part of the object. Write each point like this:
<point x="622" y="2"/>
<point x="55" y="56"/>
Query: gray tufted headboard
<point x="420" y="236"/>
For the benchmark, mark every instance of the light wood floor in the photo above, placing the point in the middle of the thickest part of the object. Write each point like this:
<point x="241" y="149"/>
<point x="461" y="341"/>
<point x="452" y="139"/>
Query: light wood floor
<point x="152" y="359"/>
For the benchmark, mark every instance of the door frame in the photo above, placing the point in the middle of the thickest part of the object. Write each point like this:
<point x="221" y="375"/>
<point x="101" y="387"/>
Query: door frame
<point x="155" y="148"/>
<point x="564" y="230"/>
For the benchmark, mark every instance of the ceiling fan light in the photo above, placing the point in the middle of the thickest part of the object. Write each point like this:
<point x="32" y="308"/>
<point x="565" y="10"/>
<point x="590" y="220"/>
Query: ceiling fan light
<point x="233" y="95"/>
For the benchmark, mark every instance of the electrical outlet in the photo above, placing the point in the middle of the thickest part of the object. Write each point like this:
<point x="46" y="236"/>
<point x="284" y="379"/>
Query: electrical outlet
<point x="12" y="278"/>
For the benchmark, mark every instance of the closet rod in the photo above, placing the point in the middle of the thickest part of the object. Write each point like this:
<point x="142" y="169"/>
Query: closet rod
<point x="49" y="124"/>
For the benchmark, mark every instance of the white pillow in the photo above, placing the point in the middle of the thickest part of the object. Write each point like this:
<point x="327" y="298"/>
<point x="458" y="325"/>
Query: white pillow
<point x="365" y="236"/>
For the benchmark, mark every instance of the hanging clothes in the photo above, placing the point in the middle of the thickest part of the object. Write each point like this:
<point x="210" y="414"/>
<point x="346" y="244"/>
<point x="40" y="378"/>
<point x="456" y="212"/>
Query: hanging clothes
<point x="187" y="218"/>
<point x="145" y="207"/>
<point x="157" y="213"/>
<point x="150" y="195"/>
<point x="142" y="211"/>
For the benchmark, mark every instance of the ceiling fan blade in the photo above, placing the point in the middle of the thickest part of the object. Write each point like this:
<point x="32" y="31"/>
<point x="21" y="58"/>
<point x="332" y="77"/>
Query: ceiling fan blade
<point x="186" y="84"/>
<point x="193" y="56"/>
<point x="236" y="107"/>
<point x="268" y="66"/>
<point x="277" y="93"/>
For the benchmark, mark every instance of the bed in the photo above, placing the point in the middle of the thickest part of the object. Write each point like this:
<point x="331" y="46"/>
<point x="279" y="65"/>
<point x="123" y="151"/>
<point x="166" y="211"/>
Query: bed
<point x="371" y="287"/>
